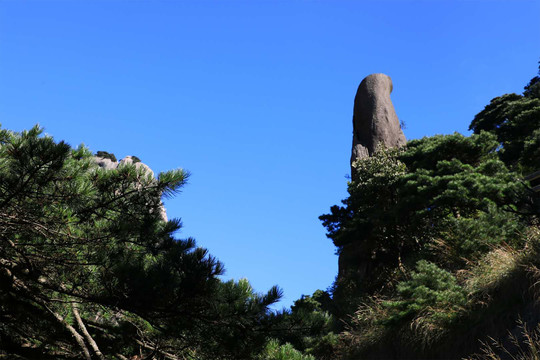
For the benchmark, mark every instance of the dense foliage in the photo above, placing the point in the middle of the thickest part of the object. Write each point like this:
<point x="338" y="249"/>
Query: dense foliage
<point x="309" y="326"/>
<point x="89" y="268"/>
<point x="515" y="120"/>
<point x="405" y="202"/>
<point x="439" y="236"/>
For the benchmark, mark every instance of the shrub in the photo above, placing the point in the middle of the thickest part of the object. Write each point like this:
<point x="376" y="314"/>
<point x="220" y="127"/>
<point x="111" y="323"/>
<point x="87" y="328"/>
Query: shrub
<point x="430" y="287"/>
<point x="106" y="155"/>
<point x="275" y="351"/>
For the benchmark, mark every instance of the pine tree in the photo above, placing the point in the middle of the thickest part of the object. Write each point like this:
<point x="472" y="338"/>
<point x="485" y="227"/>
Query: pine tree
<point x="515" y="120"/>
<point x="402" y="201"/>
<point x="89" y="269"/>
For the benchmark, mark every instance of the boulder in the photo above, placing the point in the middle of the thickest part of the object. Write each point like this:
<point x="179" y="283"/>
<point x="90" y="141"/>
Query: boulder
<point x="105" y="163"/>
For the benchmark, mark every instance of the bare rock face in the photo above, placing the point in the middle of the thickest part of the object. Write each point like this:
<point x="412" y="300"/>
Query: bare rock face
<point x="105" y="163"/>
<point x="374" y="120"/>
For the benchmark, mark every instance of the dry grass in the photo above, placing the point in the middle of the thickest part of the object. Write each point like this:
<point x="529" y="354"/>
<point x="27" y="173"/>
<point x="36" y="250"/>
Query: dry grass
<point x="523" y="346"/>
<point x="500" y="286"/>
<point x="489" y="272"/>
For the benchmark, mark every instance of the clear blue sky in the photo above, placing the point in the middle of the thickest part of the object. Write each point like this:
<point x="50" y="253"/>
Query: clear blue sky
<point x="255" y="99"/>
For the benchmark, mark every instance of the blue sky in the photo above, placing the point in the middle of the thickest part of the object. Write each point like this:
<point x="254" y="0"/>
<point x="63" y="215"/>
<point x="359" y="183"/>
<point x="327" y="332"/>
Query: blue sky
<point x="255" y="99"/>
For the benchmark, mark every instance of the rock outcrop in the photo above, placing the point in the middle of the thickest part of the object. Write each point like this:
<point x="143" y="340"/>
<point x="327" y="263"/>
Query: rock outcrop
<point x="375" y="123"/>
<point x="374" y="118"/>
<point x="108" y="164"/>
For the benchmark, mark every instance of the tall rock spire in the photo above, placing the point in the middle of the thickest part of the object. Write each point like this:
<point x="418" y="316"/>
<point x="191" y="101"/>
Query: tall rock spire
<point x="374" y="123"/>
<point x="374" y="118"/>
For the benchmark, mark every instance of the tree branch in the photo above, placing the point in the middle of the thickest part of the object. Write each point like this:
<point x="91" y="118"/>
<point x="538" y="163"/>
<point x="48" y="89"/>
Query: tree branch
<point x="85" y="332"/>
<point x="72" y="330"/>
